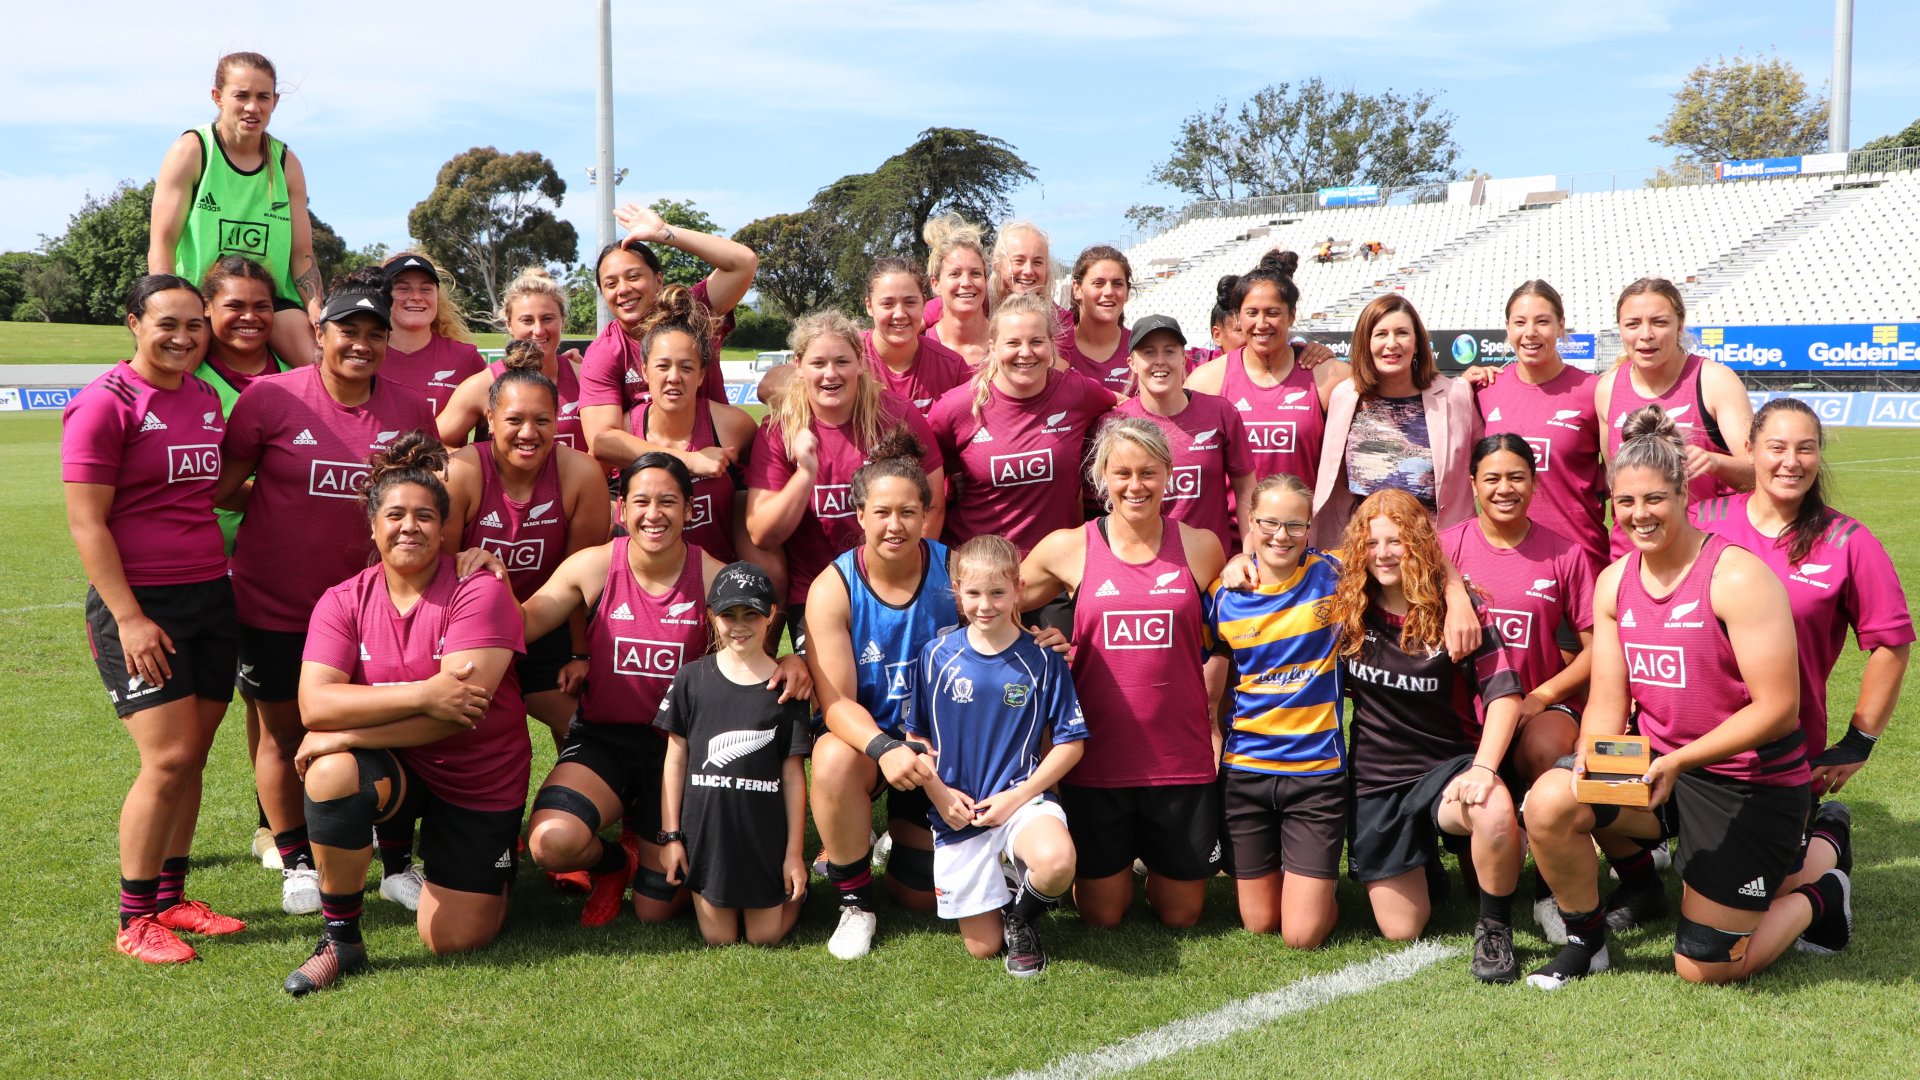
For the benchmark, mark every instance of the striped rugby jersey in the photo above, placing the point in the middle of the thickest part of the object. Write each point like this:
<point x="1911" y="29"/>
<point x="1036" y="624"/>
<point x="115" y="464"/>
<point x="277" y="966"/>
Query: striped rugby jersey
<point x="1286" y="700"/>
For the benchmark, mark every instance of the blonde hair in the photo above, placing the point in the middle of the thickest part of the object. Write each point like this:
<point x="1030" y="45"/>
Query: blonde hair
<point x="531" y="282"/>
<point x="998" y="288"/>
<point x="1019" y="304"/>
<point x="794" y="412"/>
<point x="1134" y="430"/>
<point x="987" y="556"/>
<point x="947" y="234"/>
<point x="448" y="320"/>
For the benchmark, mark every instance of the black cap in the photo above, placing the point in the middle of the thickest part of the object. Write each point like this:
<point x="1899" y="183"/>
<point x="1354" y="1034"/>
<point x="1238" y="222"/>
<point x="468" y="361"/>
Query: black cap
<point x="1157" y="322"/>
<point x="357" y="300"/>
<point x="741" y="584"/>
<point x="411" y="262"/>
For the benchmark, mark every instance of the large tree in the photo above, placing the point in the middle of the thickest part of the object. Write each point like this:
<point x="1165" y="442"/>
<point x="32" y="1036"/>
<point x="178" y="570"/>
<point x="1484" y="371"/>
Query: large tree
<point x="1744" y="108"/>
<point x="676" y="266"/>
<point x="1909" y="136"/>
<point x="945" y="170"/>
<point x="1289" y="139"/>
<point x="104" y="249"/>
<point x="490" y="216"/>
<point x="797" y="254"/>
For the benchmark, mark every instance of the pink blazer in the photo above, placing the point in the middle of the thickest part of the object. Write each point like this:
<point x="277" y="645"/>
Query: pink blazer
<point x="1453" y="426"/>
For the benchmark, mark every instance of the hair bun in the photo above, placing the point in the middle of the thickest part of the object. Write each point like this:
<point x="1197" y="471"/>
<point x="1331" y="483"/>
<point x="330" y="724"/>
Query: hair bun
<point x="1650" y="421"/>
<point x="522" y="354"/>
<point x="1282" y="262"/>
<point x="1223" y="291"/>
<point x="897" y="442"/>
<point x="414" y="449"/>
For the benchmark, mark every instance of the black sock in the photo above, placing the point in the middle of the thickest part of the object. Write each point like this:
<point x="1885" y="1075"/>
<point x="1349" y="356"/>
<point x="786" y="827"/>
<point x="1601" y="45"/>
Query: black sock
<point x="1588" y="930"/>
<point x="855" y="882"/>
<point x="1030" y="903"/>
<point x="1497" y="908"/>
<point x="1823" y="893"/>
<point x="173" y="883"/>
<point x="612" y="860"/>
<point x="341" y="914"/>
<point x="295" y="852"/>
<point x="1541" y="890"/>
<point x="262" y="812"/>
<point x="395" y="841"/>
<point x="1636" y="870"/>
<point x="136" y="898"/>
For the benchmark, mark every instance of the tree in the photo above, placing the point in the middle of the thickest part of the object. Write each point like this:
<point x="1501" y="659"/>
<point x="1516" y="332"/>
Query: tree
<point x="49" y="285"/>
<point x="1143" y="217"/>
<point x="583" y="300"/>
<point x="490" y="215"/>
<point x="945" y="170"/>
<point x="13" y="264"/>
<point x="797" y="260"/>
<point x="676" y="266"/>
<point x="104" y="250"/>
<point x="1289" y="139"/>
<point x="1744" y="108"/>
<point x="1910" y="136"/>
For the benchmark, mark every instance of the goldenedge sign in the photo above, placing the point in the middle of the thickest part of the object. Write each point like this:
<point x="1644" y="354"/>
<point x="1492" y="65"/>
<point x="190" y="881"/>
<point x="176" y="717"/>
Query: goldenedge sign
<point x="1828" y="347"/>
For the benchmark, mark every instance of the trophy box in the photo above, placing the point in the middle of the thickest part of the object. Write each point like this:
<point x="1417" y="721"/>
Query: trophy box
<point x="1615" y="764"/>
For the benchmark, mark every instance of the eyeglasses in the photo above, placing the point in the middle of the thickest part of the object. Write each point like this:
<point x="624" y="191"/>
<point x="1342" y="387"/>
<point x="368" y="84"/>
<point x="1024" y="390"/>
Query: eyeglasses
<point x="1295" y="529"/>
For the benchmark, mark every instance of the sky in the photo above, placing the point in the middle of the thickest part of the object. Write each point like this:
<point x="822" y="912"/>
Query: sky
<point x="747" y="108"/>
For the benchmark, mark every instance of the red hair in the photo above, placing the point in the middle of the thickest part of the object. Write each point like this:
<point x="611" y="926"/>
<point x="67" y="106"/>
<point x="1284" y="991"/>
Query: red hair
<point x="1423" y="574"/>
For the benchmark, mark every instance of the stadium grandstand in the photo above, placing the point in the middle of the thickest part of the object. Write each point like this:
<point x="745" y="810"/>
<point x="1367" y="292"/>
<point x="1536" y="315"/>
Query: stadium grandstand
<point x="1759" y="248"/>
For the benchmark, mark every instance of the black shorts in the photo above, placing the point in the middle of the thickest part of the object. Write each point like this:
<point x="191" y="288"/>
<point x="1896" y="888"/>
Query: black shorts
<point x="281" y="303"/>
<point x="630" y="759"/>
<point x="911" y="805"/>
<point x="540" y="668"/>
<point x="269" y="664"/>
<point x="461" y="848"/>
<point x="797" y="628"/>
<point x="1738" y="840"/>
<point x="1173" y="828"/>
<point x="1398" y="830"/>
<point x="1056" y="614"/>
<point x="198" y="618"/>
<point x="1275" y="822"/>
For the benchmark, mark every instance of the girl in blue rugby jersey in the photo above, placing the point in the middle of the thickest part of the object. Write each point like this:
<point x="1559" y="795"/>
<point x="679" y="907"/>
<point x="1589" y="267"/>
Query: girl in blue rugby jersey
<point x="1001" y="715"/>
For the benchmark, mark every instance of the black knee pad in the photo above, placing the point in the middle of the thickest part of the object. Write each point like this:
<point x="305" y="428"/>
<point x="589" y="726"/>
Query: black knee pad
<point x="1564" y="761"/>
<point x="653" y="885"/>
<point x="911" y="867"/>
<point x="1698" y="941"/>
<point x="347" y="822"/>
<point x="568" y="801"/>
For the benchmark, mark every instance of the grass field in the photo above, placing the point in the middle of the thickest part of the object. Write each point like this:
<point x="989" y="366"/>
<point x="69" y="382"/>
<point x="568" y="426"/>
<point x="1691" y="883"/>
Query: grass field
<point x="73" y="343"/>
<point x="630" y="1000"/>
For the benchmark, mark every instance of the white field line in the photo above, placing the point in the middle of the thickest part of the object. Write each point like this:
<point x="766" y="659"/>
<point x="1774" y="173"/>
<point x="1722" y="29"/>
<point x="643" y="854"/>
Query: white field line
<point x="41" y="607"/>
<point x="1234" y="1017"/>
<point x="1872" y="461"/>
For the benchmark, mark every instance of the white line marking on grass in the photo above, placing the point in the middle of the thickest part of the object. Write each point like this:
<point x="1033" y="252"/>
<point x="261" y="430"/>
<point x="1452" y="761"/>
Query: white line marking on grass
<point x="1873" y="461"/>
<point x="1234" y="1017"/>
<point x="41" y="607"/>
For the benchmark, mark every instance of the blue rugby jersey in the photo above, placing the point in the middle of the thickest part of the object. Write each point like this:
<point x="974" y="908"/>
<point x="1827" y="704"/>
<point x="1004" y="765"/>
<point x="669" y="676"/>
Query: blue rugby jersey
<point x="887" y="640"/>
<point x="989" y="715"/>
<point x="1286" y="704"/>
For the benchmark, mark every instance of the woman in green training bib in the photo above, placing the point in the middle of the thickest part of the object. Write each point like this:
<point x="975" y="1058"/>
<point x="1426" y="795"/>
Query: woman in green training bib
<point x="229" y="188"/>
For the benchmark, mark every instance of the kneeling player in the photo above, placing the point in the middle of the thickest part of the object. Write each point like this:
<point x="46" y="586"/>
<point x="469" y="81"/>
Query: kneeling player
<point x="1000" y="714"/>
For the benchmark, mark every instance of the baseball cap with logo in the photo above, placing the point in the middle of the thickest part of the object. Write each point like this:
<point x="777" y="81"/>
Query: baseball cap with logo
<point x="357" y="300"/>
<point x="1152" y="323"/>
<point x="410" y="261"/>
<point x="741" y="584"/>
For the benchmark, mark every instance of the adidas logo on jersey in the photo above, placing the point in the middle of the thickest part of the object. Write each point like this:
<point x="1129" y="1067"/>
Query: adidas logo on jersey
<point x="504" y="861"/>
<point x="1242" y="406"/>
<point x="1494" y="416"/>
<point x="623" y="613"/>
<point x="492" y="520"/>
<point x="152" y="423"/>
<point x="1106" y="589"/>
<point x="208" y="202"/>
<point x="632" y="376"/>
<point x="982" y="436"/>
<point x="1627" y="618"/>
<point x="1757" y="888"/>
<point x="872" y="654"/>
<point x="364" y="654"/>
<point x="305" y="438"/>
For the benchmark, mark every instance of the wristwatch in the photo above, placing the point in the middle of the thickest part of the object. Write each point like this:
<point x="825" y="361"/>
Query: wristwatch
<point x="664" y="837"/>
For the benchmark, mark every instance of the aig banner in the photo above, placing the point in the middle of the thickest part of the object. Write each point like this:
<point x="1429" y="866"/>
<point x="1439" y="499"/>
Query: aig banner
<point x="1829" y="347"/>
<point x="1888" y="409"/>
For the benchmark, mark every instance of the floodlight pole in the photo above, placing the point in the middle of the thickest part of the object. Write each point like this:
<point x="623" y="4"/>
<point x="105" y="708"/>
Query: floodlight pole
<point x="605" y="179"/>
<point x="1842" y="101"/>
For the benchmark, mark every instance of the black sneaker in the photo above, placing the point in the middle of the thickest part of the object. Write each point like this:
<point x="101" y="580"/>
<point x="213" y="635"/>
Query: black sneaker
<point x="1832" y="930"/>
<point x="1834" y="819"/>
<point x="1576" y="961"/>
<point x="1025" y="957"/>
<point x="1493" y="960"/>
<point x="1632" y="906"/>
<point x="331" y="961"/>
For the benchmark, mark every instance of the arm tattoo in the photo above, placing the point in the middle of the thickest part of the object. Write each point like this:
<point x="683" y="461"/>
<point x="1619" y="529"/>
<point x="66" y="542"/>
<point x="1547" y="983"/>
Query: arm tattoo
<point x="308" y="283"/>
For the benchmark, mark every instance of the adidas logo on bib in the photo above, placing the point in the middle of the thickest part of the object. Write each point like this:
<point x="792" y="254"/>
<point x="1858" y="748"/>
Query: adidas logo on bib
<point x="872" y="654"/>
<point x="305" y="438"/>
<point x="492" y="520"/>
<point x="152" y="423"/>
<point x="1106" y="589"/>
<point x="1757" y="888"/>
<point x="208" y="203"/>
<point x="623" y="613"/>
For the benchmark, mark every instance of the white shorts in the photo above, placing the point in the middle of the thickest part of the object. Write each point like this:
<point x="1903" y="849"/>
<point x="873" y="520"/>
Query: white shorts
<point x="966" y="875"/>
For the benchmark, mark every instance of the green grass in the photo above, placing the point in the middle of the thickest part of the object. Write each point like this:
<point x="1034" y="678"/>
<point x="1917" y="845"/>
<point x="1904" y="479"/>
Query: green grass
<point x="75" y="343"/>
<point x="630" y="1000"/>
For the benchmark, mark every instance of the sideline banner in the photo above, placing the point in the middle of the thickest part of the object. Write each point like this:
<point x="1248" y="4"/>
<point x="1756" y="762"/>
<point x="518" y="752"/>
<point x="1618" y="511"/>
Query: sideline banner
<point x="1754" y="168"/>
<point x="1456" y="349"/>
<point x="36" y="398"/>
<point x="1352" y="195"/>
<point x="1827" y="347"/>
<point x="1890" y="409"/>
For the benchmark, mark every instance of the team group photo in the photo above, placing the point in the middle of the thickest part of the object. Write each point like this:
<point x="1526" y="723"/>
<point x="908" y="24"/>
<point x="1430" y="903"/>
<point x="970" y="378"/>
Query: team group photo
<point x="1225" y="561"/>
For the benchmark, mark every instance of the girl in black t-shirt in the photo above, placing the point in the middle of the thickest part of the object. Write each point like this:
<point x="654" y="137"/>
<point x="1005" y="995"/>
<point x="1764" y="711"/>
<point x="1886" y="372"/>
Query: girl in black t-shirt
<point x="733" y="802"/>
<point x="1422" y="764"/>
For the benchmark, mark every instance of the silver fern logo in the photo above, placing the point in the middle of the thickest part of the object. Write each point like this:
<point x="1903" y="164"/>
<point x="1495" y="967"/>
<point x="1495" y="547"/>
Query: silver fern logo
<point x="730" y="746"/>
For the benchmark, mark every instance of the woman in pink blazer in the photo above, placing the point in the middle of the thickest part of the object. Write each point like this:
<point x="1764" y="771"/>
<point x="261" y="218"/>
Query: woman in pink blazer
<point x="1397" y="423"/>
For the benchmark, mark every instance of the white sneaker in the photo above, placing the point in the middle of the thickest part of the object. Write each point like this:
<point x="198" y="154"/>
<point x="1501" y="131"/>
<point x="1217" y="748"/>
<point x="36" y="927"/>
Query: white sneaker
<point x="853" y="938"/>
<point x="1663" y="858"/>
<point x="404" y="887"/>
<point x="264" y="848"/>
<point x="300" y="891"/>
<point x="1552" y="927"/>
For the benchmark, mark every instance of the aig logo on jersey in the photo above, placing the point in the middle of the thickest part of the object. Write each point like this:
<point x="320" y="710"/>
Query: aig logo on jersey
<point x="517" y="555"/>
<point x="829" y="501"/>
<point x="1657" y="665"/>
<point x="1271" y="436"/>
<point x="900" y="681"/>
<point x="336" y="479"/>
<point x="1012" y="470"/>
<point x="198" y="462"/>
<point x="700" y="511"/>
<point x="646" y="659"/>
<point x="243" y="238"/>
<point x="1137" y="629"/>
<point x="1183" y="482"/>
<point x="1516" y="627"/>
<point x="1542" y="454"/>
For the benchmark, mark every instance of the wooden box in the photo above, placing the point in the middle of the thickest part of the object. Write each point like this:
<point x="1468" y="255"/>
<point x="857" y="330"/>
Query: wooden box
<point x="1615" y="764"/>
